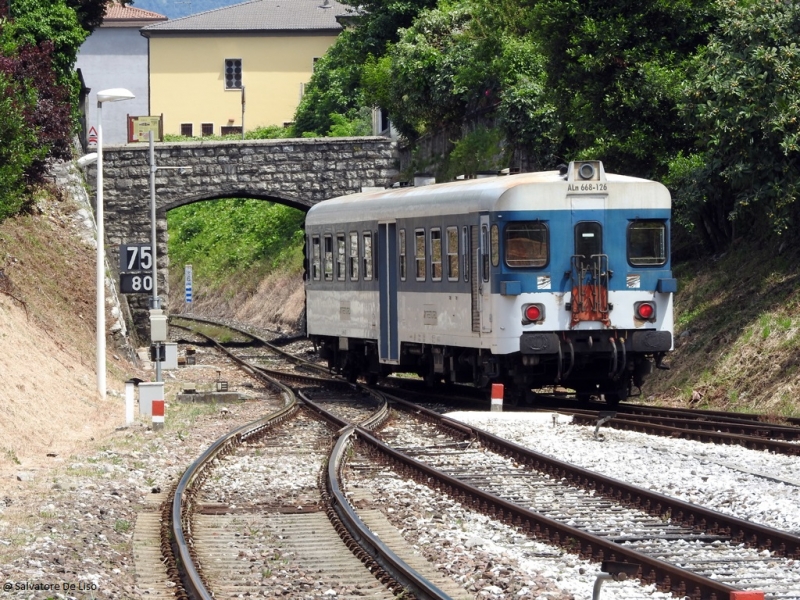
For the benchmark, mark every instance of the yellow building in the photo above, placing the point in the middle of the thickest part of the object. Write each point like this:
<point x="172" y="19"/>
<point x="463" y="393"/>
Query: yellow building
<point x="203" y="67"/>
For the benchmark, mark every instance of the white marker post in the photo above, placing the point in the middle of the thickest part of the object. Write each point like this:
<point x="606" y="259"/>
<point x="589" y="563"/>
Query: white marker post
<point x="497" y="397"/>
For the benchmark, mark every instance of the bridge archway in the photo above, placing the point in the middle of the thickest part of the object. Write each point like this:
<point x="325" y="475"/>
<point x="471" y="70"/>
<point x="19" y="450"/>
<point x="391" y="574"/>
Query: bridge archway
<point x="297" y="173"/>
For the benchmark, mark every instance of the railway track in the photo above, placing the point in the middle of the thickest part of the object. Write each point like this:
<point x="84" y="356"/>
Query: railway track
<point x="756" y="432"/>
<point x="229" y="541"/>
<point x="651" y="525"/>
<point x="679" y="547"/>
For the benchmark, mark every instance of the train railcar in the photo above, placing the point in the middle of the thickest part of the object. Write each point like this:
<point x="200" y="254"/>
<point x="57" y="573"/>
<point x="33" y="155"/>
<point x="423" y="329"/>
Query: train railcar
<point x="530" y="280"/>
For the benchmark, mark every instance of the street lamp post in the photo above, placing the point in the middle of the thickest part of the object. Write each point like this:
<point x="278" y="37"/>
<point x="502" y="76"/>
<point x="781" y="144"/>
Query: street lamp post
<point x="111" y="95"/>
<point x="155" y="301"/>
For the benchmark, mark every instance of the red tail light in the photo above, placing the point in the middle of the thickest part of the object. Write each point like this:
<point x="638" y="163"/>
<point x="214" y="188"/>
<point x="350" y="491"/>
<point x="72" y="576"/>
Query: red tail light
<point x="646" y="310"/>
<point x="532" y="313"/>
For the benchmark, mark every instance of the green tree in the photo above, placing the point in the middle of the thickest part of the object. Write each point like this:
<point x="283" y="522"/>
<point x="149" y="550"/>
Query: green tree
<point x="38" y="21"/>
<point x="18" y="144"/>
<point x="615" y="73"/>
<point x="235" y="235"/>
<point x="335" y="86"/>
<point x="744" y="103"/>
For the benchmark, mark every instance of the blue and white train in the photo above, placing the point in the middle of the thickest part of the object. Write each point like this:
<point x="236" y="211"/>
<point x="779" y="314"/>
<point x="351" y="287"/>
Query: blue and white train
<point x="530" y="280"/>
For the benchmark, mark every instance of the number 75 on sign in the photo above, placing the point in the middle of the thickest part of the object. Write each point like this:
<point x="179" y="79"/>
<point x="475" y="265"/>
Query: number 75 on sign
<point x="135" y="257"/>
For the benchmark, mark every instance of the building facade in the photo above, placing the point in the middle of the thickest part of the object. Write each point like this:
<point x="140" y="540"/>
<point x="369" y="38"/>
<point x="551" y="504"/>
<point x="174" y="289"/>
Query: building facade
<point x="243" y="66"/>
<point x="115" y="56"/>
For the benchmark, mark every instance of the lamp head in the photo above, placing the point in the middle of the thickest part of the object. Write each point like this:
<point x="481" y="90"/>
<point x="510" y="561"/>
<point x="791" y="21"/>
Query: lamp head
<point x="87" y="159"/>
<point x="114" y="95"/>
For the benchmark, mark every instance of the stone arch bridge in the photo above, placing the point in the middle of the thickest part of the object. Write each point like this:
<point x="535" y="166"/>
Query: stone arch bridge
<point x="295" y="172"/>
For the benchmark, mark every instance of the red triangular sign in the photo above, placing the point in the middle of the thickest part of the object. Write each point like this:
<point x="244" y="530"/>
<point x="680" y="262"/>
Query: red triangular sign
<point x="92" y="135"/>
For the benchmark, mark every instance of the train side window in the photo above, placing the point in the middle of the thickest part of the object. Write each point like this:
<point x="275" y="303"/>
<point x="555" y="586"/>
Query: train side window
<point x="340" y="262"/>
<point x="419" y="253"/>
<point x="315" y="258"/>
<point x="353" y="256"/>
<point x="495" y="235"/>
<point x="328" y="266"/>
<point x="367" y="237"/>
<point x="452" y="253"/>
<point x="647" y="243"/>
<point x="527" y="244"/>
<point x="466" y="251"/>
<point x="485" y="252"/>
<point x="401" y="242"/>
<point x="436" y="254"/>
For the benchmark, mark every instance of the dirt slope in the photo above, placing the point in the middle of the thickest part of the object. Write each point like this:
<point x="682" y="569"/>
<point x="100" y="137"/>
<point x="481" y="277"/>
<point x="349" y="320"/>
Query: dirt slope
<point x="48" y="398"/>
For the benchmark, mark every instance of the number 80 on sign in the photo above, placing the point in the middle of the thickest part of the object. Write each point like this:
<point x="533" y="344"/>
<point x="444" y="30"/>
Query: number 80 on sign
<point x="136" y="283"/>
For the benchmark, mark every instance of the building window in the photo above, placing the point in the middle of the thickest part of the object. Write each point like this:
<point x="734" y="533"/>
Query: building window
<point x="207" y="129"/>
<point x="230" y="130"/>
<point x="186" y="129"/>
<point x="436" y="254"/>
<point x="233" y="73"/>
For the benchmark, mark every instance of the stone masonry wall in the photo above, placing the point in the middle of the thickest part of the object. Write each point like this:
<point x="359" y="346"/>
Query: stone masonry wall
<point x="296" y="172"/>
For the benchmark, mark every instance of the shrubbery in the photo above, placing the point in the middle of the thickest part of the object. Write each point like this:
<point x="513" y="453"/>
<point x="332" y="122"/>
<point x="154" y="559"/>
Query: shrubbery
<point x="39" y="40"/>
<point x="704" y="95"/>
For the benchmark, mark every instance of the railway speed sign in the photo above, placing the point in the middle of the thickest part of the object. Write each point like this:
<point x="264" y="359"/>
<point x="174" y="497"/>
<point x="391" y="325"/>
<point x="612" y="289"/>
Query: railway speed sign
<point x="136" y="283"/>
<point x="135" y="257"/>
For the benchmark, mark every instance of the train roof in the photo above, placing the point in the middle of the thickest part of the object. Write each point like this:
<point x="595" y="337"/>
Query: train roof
<point x="544" y="190"/>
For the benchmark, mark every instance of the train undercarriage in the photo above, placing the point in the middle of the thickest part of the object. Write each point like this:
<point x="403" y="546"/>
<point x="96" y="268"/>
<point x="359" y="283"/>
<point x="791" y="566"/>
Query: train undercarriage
<point x="611" y="365"/>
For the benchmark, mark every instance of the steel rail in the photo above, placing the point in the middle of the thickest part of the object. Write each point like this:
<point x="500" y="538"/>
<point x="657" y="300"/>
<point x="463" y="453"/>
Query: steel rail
<point x="701" y="422"/>
<point x="689" y="515"/>
<point x="397" y="571"/>
<point x="288" y="356"/>
<point x="408" y="578"/>
<point x="689" y="430"/>
<point x="588" y="546"/>
<point x="191" y="576"/>
<point x="698" y="412"/>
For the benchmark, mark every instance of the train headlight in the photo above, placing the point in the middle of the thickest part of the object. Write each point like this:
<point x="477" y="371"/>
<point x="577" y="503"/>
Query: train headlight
<point x="646" y="311"/>
<point x="532" y="313"/>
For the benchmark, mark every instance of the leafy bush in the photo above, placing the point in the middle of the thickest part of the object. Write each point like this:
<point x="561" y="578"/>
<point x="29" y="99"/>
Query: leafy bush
<point x="744" y="102"/>
<point x="223" y="238"/>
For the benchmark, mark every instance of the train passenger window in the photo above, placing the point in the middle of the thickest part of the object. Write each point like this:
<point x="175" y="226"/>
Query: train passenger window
<point x="452" y="253"/>
<point x="328" y="266"/>
<point x="401" y="243"/>
<point x="340" y="263"/>
<point x="485" y="252"/>
<point x="367" y="236"/>
<point x="527" y="244"/>
<point x="647" y="243"/>
<point x="495" y="235"/>
<point x="419" y="253"/>
<point x="465" y="251"/>
<point x="353" y="256"/>
<point x="588" y="242"/>
<point x="315" y="258"/>
<point x="436" y="254"/>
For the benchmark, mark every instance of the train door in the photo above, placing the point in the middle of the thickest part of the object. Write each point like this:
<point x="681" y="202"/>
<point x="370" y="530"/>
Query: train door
<point x="388" y="339"/>
<point x="481" y="286"/>
<point x="589" y="264"/>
